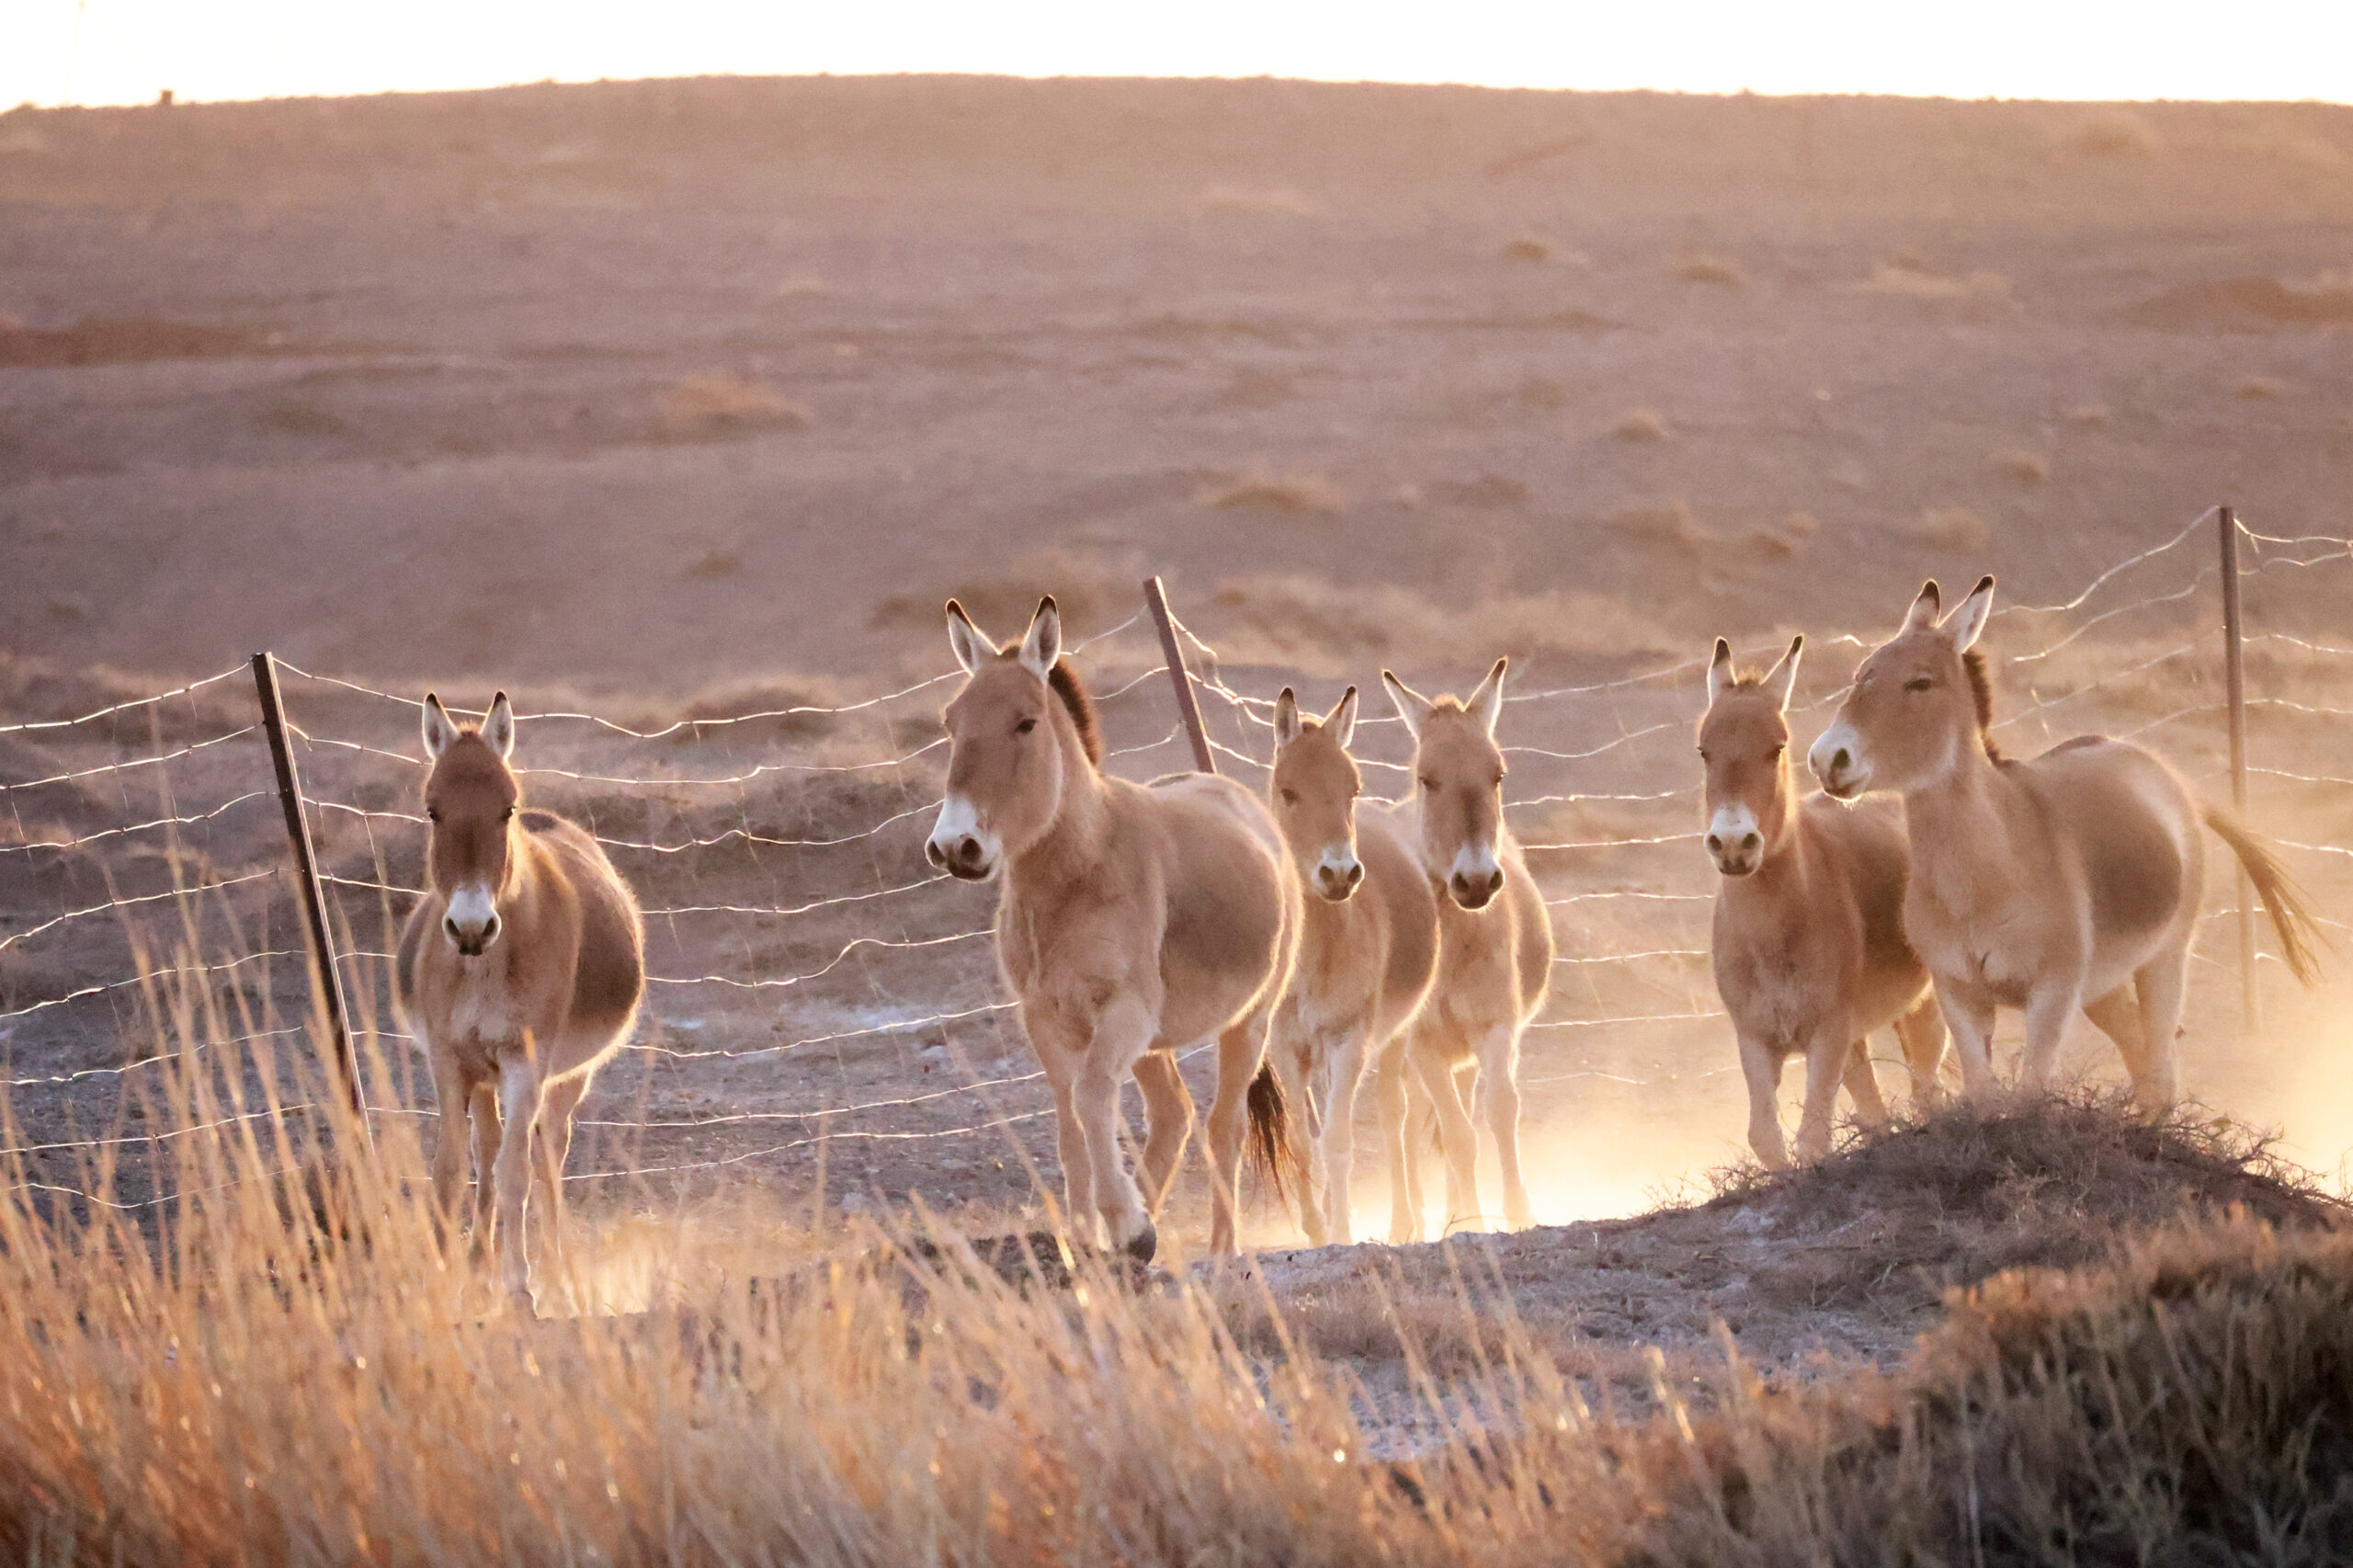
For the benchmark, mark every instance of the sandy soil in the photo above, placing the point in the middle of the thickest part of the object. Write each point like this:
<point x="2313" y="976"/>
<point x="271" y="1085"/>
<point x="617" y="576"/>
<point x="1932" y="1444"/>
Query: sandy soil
<point x="690" y="400"/>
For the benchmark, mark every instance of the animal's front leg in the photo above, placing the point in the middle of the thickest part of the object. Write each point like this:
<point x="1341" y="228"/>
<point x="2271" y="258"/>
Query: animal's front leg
<point x="486" y="1143"/>
<point x="1343" y="1070"/>
<point x="1969" y="1014"/>
<point x="1827" y="1057"/>
<point x="2048" y="1008"/>
<point x="449" y="1093"/>
<point x="1122" y="1032"/>
<point x="1760" y="1065"/>
<point x="521" y="1090"/>
<point x="1499" y="1093"/>
<point x="1388" y="1089"/>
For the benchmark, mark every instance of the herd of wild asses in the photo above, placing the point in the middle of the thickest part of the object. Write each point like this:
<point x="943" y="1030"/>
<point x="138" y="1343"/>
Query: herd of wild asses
<point x="1313" y="937"/>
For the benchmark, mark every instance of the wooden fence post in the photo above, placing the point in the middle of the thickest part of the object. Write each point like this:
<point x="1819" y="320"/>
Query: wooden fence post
<point x="2234" y="690"/>
<point x="328" y="981"/>
<point x="1182" y="678"/>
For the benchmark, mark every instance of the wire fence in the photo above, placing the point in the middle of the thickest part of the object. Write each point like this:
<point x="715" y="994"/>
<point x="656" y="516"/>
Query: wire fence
<point x="811" y="976"/>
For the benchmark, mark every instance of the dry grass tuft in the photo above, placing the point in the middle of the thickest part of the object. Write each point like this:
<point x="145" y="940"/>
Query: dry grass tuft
<point x="1641" y="425"/>
<point x="1261" y="489"/>
<point x="718" y="403"/>
<point x="2115" y="135"/>
<point x="1542" y="392"/>
<point x="1528" y="248"/>
<point x="2019" y="466"/>
<point x="2260" y="389"/>
<point x="2087" y="414"/>
<point x="1909" y="277"/>
<point x="1714" y="270"/>
<point x="1950" y="528"/>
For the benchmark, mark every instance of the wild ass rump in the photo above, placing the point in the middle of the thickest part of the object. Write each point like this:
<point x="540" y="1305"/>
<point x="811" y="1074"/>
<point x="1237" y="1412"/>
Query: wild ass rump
<point x="1135" y="920"/>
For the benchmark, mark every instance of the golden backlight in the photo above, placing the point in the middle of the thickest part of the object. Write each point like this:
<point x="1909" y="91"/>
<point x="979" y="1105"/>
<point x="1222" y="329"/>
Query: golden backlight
<point x="113" y="51"/>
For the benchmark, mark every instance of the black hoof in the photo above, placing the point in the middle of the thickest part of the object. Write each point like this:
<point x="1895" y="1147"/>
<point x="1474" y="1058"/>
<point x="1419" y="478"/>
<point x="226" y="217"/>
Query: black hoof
<point x="1144" y="1245"/>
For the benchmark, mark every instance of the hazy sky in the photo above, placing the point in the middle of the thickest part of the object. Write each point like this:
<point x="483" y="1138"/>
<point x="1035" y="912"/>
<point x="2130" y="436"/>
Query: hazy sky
<point x="122" y="50"/>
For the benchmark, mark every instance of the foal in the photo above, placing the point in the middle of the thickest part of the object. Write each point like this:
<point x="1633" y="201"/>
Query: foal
<point x="2070" y="880"/>
<point x="1367" y="951"/>
<point x="520" y="971"/>
<point x="1808" y="949"/>
<point x="1495" y="949"/>
<point x="1135" y="919"/>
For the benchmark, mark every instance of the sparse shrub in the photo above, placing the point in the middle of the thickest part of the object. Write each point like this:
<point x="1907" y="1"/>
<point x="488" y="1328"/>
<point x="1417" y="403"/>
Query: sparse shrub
<point x="711" y="403"/>
<point x="1714" y="270"/>
<point x="1528" y="248"/>
<point x="1641" y="425"/>
<point x="2021" y="466"/>
<point x="1950" y="528"/>
<point x="2089" y="415"/>
<point x="717" y="564"/>
<point x="2260" y="389"/>
<point x="1908" y="277"/>
<point x="1542" y="392"/>
<point x="1262" y="489"/>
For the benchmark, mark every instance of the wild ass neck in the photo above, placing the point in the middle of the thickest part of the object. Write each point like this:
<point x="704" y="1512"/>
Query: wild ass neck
<point x="1074" y="839"/>
<point x="1956" y="826"/>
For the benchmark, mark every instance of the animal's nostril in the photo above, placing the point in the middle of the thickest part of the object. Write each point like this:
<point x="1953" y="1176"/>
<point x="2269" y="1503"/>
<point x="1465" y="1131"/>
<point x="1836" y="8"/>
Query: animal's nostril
<point x="449" y="927"/>
<point x="1840" y="761"/>
<point x="1495" y="880"/>
<point x="1751" y="842"/>
<point x="1715" y="845"/>
<point x="1356" y="875"/>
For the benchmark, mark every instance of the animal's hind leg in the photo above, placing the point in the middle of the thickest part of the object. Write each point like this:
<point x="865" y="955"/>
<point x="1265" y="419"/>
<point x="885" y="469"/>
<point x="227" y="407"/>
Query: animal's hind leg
<point x="1826" y="1058"/>
<point x="1862" y="1084"/>
<point x="1343" y="1071"/>
<point x="1457" y="1138"/>
<point x="1241" y="1051"/>
<point x="1303" y="1126"/>
<point x="1168" y="1122"/>
<point x="1404" y="1170"/>
<point x="552" y="1144"/>
<point x="2161" y="982"/>
<point x="1922" y="1030"/>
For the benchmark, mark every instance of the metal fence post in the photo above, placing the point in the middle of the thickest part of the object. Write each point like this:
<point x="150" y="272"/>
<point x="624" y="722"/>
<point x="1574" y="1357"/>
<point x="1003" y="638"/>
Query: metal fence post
<point x="1180" y="676"/>
<point x="2234" y="685"/>
<point x="326" y="979"/>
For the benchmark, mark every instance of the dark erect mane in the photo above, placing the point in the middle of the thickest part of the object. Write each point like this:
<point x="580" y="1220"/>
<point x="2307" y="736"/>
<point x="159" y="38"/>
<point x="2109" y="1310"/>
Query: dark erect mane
<point x="1064" y="681"/>
<point x="1981" y="688"/>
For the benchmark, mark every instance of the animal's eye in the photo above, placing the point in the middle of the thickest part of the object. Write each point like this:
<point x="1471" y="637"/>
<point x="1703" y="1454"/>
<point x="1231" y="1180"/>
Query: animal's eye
<point x="1429" y="783"/>
<point x="432" y="813"/>
<point x="1703" y="754"/>
<point x="507" y="815"/>
<point x="1778" y="752"/>
<point x="1354" y="790"/>
<point x="1024" y="727"/>
<point x="1918" y="683"/>
<point x="1290" y="797"/>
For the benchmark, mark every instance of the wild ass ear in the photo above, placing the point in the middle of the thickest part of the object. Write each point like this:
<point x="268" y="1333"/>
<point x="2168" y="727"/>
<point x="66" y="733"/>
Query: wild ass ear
<point x="1487" y="702"/>
<point x="1342" y="720"/>
<point x="1286" y="717"/>
<point x="498" y="727"/>
<point x="1925" y="607"/>
<point x="440" y="734"/>
<point x="971" y="644"/>
<point x="1721" y="678"/>
<point x="1043" y="644"/>
<point x="1968" y="622"/>
<point x="1783" y="677"/>
<point x="1411" y="705"/>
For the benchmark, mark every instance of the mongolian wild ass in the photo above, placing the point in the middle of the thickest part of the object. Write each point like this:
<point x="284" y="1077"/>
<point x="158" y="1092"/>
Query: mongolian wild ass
<point x="1368" y="953"/>
<point x="1808" y="947"/>
<point x="520" y="971"/>
<point x="1135" y="920"/>
<point x="1495" y="949"/>
<point x="2070" y="880"/>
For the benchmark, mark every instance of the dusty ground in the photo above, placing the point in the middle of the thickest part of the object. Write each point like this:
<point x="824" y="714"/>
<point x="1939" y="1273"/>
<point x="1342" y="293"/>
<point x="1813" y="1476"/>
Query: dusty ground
<point x="691" y="400"/>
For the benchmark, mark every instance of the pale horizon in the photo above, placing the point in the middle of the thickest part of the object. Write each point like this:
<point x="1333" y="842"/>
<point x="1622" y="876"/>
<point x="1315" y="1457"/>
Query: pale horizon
<point x="97" y="52"/>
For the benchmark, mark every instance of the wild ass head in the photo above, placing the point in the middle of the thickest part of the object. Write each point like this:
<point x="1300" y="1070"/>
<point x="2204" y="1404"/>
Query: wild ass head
<point x="1744" y="749"/>
<point x="470" y="799"/>
<point x="1458" y="780"/>
<point x="1020" y="730"/>
<point x="1315" y="787"/>
<point x="1919" y="702"/>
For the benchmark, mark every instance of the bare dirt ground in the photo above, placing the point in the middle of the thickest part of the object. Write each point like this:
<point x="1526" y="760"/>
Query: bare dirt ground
<point x="691" y="400"/>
